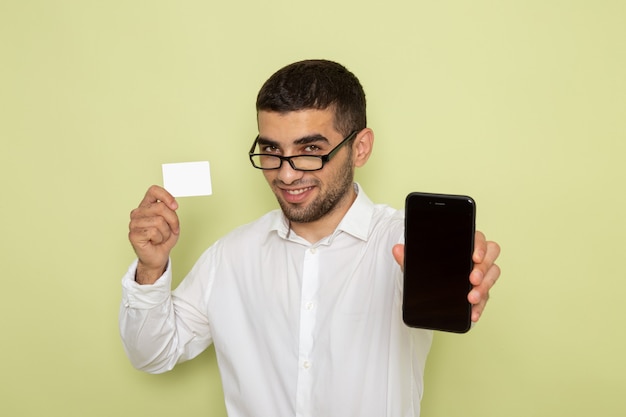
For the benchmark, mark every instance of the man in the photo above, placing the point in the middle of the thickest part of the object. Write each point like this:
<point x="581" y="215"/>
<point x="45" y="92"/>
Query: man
<point x="303" y="305"/>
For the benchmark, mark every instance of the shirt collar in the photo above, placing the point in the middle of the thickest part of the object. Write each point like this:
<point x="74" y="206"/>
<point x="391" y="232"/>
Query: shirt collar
<point x="356" y="222"/>
<point x="358" y="218"/>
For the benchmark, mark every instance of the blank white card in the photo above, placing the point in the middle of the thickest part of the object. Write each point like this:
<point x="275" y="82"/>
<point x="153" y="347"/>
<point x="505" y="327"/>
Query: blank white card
<point x="187" y="179"/>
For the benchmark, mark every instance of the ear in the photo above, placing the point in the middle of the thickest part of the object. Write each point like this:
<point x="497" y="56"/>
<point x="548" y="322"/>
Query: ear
<point x="362" y="146"/>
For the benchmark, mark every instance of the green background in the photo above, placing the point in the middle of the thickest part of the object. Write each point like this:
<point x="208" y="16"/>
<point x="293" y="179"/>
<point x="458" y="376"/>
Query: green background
<point x="521" y="104"/>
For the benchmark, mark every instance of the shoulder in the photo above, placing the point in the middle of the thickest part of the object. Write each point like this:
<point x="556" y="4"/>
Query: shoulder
<point x="388" y="221"/>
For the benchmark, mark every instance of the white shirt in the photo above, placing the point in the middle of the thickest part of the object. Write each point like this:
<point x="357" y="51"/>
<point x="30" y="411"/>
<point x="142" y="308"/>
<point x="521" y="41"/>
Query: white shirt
<point x="300" y="329"/>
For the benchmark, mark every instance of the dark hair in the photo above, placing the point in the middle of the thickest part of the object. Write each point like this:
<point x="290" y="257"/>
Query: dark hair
<point x="316" y="84"/>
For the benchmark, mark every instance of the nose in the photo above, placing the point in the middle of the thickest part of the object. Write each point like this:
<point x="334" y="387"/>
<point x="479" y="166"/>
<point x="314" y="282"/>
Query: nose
<point x="287" y="174"/>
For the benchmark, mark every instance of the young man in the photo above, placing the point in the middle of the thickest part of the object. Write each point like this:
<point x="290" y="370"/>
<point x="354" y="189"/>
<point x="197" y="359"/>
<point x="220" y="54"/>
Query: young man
<point x="304" y="304"/>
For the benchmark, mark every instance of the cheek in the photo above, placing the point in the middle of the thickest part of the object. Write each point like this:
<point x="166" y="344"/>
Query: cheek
<point x="269" y="175"/>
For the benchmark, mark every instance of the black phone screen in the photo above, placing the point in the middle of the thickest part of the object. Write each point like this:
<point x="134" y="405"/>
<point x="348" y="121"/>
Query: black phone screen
<point x="439" y="242"/>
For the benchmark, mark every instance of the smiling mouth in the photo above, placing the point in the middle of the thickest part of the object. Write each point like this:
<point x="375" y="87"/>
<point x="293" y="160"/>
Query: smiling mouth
<point x="298" y="191"/>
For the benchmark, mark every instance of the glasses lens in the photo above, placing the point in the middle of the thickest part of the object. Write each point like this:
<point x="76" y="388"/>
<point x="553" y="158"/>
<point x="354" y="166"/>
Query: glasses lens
<point x="266" y="161"/>
<point x="307" y="163"/>
<point x="302" y="163"/>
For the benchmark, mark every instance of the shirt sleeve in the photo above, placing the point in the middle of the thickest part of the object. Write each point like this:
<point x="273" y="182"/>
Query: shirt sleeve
<point x="159" y="329"/>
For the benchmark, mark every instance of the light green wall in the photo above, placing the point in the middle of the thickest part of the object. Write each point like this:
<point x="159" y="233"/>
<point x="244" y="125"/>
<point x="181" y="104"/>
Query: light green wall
<point x="521" y="104"/>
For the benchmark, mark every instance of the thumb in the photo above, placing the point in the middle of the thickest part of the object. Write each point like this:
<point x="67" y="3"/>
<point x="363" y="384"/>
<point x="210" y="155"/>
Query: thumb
<point x="398" y="254"/>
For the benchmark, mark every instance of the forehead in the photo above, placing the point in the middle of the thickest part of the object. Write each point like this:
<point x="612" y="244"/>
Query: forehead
<point x="286" y="127"/>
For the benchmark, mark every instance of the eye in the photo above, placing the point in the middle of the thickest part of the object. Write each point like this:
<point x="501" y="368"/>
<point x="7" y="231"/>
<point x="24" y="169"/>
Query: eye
<point x="270" y="149"/>
<point x="312" y="149"/>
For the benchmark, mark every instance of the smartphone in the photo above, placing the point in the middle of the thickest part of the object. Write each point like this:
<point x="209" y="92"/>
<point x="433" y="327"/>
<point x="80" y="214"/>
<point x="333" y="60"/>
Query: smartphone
<point x="439" y="243"/>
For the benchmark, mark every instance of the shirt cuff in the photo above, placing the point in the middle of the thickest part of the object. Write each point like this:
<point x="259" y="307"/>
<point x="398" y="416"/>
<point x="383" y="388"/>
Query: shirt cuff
<point x="147" y="296"/>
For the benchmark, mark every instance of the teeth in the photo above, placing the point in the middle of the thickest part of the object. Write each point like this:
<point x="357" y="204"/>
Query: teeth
<point x="300" y="191"/>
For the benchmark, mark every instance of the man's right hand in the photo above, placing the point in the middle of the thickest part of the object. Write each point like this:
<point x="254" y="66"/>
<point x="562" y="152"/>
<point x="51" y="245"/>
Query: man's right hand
<point x="153" y="232"/>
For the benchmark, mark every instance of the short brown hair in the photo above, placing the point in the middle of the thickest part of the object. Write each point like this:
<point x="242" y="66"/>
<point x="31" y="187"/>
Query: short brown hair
<point x="316" y="84"/>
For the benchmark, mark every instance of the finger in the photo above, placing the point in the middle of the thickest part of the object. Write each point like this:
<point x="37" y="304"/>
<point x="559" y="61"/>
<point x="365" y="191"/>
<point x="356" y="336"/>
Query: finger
<point x="153" y="230"/>
<point x="142" y="237"/>
<point x="398" y="254"/>
<point x="157" y="209"/>
<point x="157" y="194"/>
<point x="481" y="290"/>
<point x="480" y="247"/>
<point x="492" y="251"/>
<point x="479" y="295"/>
<point x="477" y="311"/>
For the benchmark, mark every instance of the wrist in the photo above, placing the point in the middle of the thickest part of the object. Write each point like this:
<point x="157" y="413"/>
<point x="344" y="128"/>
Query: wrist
<point x="145" y="275"/>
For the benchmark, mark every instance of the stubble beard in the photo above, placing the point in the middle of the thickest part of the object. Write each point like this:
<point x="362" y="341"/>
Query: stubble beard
<point x="324" y="203"/>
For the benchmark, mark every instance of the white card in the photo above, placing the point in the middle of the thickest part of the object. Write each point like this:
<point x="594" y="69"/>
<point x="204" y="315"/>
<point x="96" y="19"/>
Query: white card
<point x="187" y="179"/>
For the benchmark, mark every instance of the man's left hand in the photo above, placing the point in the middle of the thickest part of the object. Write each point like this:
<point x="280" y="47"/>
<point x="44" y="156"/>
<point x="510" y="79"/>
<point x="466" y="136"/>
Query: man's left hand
<point x="483" y="276"/>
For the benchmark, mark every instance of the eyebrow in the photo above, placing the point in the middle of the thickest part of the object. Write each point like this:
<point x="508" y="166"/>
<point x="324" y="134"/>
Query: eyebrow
<point x="305" y="140"/>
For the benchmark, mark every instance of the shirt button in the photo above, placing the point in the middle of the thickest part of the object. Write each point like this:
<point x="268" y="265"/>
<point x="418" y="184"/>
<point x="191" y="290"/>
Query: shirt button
<point x="306" y="364"/>
<point x="313" y="251"/>
<point x="309" y="305"/>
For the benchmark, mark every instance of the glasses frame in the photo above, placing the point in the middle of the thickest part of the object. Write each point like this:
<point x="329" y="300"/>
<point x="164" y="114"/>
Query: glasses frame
<point x="323" y="158"/>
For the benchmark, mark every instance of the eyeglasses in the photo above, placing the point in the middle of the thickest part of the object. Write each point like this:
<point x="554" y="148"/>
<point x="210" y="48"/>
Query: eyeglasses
<point x="298" y="162"/>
